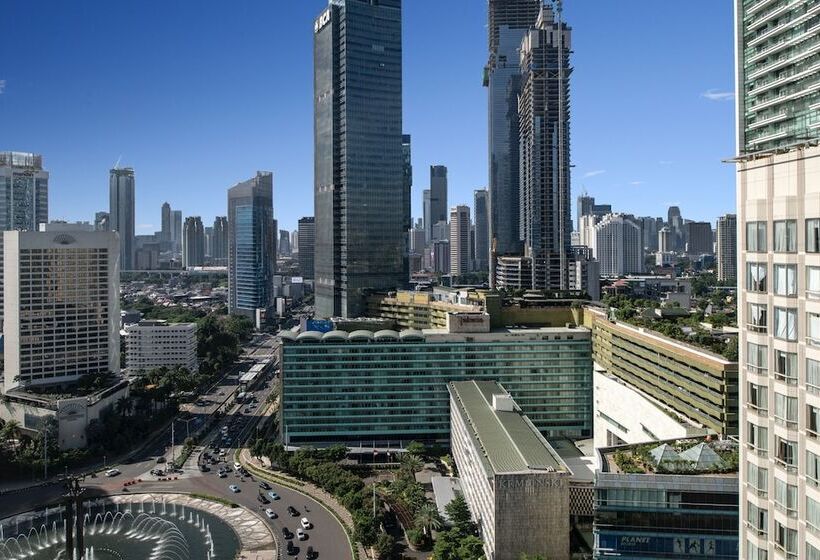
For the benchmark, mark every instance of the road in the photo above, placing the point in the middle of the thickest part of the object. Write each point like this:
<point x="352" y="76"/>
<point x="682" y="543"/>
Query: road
<point x="327" y="536"/>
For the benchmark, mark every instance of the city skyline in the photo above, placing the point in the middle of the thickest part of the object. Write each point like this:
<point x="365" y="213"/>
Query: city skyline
<point x="174" y="149"/>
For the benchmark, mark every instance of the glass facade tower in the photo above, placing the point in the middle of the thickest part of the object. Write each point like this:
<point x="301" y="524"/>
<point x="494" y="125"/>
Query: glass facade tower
<point x="251" y="245"/>
<point x="121" y="187"/>
<point x="359" y="168"/>
<point x="23" y="191"/>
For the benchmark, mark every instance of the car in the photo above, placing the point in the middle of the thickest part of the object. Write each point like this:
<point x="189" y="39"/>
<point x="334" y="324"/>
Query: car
<point x="306" y="524"/>
<point x="233" y="488"/>
<point x="237" y="466"/>
<point x="222" y="474"/>
<point x="310" y="554"/>
<point x="264" y="485"/>
<point x="286" y="534"/>
<point x="204" y="468"/>
<point x="112" y="472"/>
<point x="270" y="513"/>
<point x="292" y="511"/>
<point x="273" y="495"/>
<point x="292" y="550"/>
<point x="262" y="499"/>
<point x="301" y="535"/>
<point x="161" y="459"/>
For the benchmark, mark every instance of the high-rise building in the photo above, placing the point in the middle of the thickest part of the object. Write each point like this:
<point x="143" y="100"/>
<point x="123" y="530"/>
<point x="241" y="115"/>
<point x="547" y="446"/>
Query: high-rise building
<point x="407" y="161"/>
<point x="251" y="245"/>
<point x="459" y="240"/>
<point x="361" y="229"/>
<point x="61" y="308"/>
<point x="726" y="247"/>
<point x="508" y="22"/>
<point x="284" y="243"/>
<point x="543" y="115"/>
<point x="618" y="246"/>
<point x="101" y="222"/>
<point x="193" y="242"/>
<point x="209" y="241"/>
<point x="23" y="191"/>
<point x="481" y="199"/>
<point x="586" y="207"/>
<point x="219" y="243"/>
<point x="155" y="344"/>
<point x="294" y="242"/>
<point x="699" y="238"/>
<point x="428" y="219"/>
<point x="307" y="244"/>
<point x="778" y="212"/>
<point x="122" y="213"/>
<point x="165" y="235"/>
<point x="176" y="231"/>
<point x="439" y="211"/>
<point x="650" y="228"/>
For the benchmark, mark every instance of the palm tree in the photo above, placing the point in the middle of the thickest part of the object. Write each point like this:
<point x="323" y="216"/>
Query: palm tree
<point x="412" y="463"/>
<point x="124" y="406"/>
<point x="428" y="518"/>
<point x="11" y="433"/>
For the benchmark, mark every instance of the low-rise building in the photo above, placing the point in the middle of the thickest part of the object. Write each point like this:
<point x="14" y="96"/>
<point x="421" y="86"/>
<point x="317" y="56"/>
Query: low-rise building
<point x="675" y="499"/>
<point x="387" y="386"/>
<point x="516" y="485"/>
<point x="154" y="344"/>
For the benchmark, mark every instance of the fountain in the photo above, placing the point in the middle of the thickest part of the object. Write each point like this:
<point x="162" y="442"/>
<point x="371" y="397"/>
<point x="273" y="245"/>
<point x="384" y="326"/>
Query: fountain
<point x="144" y="530"/>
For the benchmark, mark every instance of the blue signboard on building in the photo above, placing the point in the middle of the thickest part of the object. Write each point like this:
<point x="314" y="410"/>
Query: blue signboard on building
<point x="319" y="325"/>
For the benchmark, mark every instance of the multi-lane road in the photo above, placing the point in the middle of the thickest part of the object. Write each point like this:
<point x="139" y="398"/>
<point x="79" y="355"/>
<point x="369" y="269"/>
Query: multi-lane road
<point x="327" y="537"/>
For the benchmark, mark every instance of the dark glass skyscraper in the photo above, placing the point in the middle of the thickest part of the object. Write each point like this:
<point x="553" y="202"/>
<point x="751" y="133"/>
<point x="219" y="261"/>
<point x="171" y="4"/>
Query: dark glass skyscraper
<point x="358" y="166"/>
<point x="121" y="216"/>
<point x="509" y="20"/>
<point x="251" y="245"/>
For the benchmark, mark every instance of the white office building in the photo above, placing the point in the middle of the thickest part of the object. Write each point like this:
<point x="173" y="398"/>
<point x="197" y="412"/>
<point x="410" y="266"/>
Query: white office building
<point x="618" y="246"/>
<point x="459" y="240"/>
<point x="61" y="306"/>
<point x="154" y="344"/>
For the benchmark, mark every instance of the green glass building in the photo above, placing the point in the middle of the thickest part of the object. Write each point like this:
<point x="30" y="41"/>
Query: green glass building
<point x="366" y="388"/>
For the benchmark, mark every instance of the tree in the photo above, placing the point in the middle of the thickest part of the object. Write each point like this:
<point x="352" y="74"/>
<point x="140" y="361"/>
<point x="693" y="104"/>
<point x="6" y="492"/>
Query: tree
<point x="416" y="448"/>
<point x="385" y="546"/>
<point x="471" y="548"/>
<point x="428" y="518"/>
<point x="411" y="463"/>
<point x="459" y="515"/>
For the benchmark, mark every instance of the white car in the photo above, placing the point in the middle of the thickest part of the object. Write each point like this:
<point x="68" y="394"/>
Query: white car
<point x="236" y="466"/>
<point x="112" y="472"/>
<point x="233" y="488"/>
<point x="301" y="535"/>
<point x="271" y="514"/>
<point x="305" y="523"/>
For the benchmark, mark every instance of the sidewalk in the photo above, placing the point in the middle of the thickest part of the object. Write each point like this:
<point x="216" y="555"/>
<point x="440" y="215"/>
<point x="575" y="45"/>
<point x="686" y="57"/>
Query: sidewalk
<point x="328" y="500"/>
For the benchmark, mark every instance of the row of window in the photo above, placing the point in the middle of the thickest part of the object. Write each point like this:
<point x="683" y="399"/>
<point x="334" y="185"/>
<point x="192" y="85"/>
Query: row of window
<point x="785" y="279"/>
<point x="785" y="450"/>
<point x="785" y="236"/>
<point x="785" y="322"/>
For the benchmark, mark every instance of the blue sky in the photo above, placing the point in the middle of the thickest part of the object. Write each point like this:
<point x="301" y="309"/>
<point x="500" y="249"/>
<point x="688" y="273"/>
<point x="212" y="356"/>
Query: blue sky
<point x="198" y="95"/>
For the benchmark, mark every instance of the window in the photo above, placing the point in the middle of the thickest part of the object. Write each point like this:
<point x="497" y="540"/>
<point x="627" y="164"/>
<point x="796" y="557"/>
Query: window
<point x="756" y="277"/>
<point x="758" y="518"/>
<point x="785" y="408"/>
<point x="758" y="397"/>
<point x="813" y="326"/>
<point x="786" y="451"/>
<point x="811" y="552"/>
<point x="758" y="437"/>
<point x="813" y="421"/>
<point x="813" y="373"/>
<point x="756" y="237"/>
<point x="785" y="496"/>
<point x="785" y="538"/>
<point x="758" y="319"/>
<point x="755" y="553"/>
<point x="785" y="323"/>
<point x="785" y="279"/>
<point x="785" y="366"/>
<point x="757" y="357"/>
<point x="813" y="281"/>
<point x="813" y="235"/>
<point x="758" y="478"/>
<point x="785" y="236"/>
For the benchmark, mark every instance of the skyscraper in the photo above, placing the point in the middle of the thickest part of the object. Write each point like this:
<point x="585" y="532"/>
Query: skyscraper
<point x="121" y="214"/>
<point x="586" y="207"/>
<point x="482" y="229"/>
<point x="251" y="245"/>
<point x="307" y="242"/>
<point x="219" y="244"/>
<point x="193" y="242"/>
<point x="618" y="246"/>
<point x="428" y="217"/>
<point x="407" y="161"/>
<point x="284" y="243"/>
<point x="361" y="229"/>
<point x="726" y="246"/>
<point x="165" y="235"/>
<point x="101" y="221"/>
<point x="543" y="114"/>
<point x="778" y="210"/>
<point x="23" y="191"/>
<point x="699" y="235"/>
<point x="439" y="211"/>
<point x="459" y="240"/>
<point x="176" y="231"/>
<point x="508" y="20"/>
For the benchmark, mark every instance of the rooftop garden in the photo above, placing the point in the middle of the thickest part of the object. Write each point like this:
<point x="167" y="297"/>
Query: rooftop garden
<point x="671" y="458"/>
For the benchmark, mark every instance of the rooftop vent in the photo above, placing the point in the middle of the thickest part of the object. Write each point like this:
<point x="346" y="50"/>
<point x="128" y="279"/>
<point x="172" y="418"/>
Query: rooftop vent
<point x="503" y="403"/>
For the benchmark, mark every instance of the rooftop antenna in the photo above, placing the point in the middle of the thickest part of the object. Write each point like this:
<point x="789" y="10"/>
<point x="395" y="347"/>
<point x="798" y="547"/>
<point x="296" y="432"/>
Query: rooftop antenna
<point x="117" y="165"/>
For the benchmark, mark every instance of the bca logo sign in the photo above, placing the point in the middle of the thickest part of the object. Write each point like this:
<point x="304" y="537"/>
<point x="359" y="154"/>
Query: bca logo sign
<point x="321" y="21"/>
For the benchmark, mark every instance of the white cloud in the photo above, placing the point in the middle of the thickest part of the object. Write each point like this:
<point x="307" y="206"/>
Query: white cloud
<point x="594" y="173"/>
<point x="2" y="86"/>
<point x="636" y="183"/>
<point x="717" y="95"/>
<point x="665" y="162"/>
